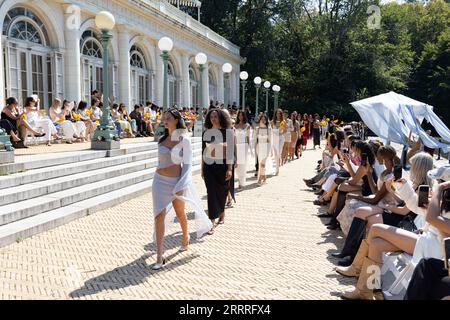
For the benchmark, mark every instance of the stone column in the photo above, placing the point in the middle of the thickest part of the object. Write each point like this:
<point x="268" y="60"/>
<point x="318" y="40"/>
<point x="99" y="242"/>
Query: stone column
<point x="221" y="86"/>
<point x="159" y="78"/>
<point x="185" y="89"/>
<point x="124" y="66"/>
<point x="72" y="59"/>
<point x="205" y="85"/>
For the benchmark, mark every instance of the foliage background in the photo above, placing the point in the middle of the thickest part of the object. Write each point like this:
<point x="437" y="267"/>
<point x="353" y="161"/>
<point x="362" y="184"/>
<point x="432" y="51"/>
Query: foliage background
<point x="324" y="56"/>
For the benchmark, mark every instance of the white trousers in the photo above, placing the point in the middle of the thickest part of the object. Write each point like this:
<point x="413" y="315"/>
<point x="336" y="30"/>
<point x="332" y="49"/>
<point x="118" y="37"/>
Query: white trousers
<point x="47" y="127"/>
<point x="69" y="129"/>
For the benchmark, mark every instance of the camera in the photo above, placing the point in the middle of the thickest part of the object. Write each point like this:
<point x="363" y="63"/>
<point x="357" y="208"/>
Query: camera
<point x="345" y="151"/>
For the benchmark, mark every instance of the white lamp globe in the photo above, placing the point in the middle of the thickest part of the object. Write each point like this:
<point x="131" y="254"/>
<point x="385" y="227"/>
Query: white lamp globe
<point x="267" y="84"/>
<point x="165" y="44"/>
<point x="227" y="68"/>
<point x="276" y="88"/>
<point x="201" y="58"/>
<point x="104" y="20"/>
<point x="244" y="75"/>
<point x="257" y="80"/>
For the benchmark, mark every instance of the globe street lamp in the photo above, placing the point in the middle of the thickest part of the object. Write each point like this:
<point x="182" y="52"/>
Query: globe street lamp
<point x="201" y="60"/>
<point x="266" y="90"/>
<point x="244" y="77"/>
<point x="227" y="68"/>
<point x="165" y="44"/>
<point x="105" y="136"/>
<point x="276" y="90"/>
<point x="257" y="82"/>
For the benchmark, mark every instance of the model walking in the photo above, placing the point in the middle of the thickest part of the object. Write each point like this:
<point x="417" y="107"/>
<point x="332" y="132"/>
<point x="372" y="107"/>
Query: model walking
<point x="173" y="187"/>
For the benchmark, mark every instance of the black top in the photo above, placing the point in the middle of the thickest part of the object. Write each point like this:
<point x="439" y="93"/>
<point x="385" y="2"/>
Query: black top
<point x="365" y="189"/>
<point x="212" y="138"/>
<point x="136" y="115"/>
<point x="5" y="116"/>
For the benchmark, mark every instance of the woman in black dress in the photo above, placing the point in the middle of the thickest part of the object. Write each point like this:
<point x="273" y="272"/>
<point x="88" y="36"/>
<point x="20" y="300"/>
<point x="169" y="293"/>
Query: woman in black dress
<point x="217" y="167"/>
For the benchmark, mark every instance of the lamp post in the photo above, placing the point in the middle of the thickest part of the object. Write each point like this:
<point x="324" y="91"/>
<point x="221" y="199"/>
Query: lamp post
<point x="244" y="77"/>
<point x="266" y="90"/>
<point x="201" y="60"/>
<point x="276" y="90"/>
<point x="227" y="68"/>
<point x="257" y="82"/>
<point x="105" y="136"/>
<point x="165" y="44"/>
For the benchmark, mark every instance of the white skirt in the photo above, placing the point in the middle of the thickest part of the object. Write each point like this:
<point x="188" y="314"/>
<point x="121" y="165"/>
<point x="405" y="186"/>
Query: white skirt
<point x="164" y="192"/>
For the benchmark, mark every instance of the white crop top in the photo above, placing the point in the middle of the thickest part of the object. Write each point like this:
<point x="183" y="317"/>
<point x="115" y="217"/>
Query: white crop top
<point x="169" y="157"/>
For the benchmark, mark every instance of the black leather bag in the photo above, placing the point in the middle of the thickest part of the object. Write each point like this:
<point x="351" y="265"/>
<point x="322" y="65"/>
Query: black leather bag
<point x="408" y="223"/>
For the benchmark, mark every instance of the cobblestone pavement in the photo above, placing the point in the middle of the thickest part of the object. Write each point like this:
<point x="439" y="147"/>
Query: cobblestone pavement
<point x="271" y="247"/>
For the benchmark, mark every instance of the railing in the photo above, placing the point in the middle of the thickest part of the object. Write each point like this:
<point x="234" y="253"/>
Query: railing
<point x="188" y="21"/>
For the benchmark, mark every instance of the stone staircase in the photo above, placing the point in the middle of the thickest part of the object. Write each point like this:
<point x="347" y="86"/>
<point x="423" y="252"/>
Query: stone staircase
<point x="42" y="192"/>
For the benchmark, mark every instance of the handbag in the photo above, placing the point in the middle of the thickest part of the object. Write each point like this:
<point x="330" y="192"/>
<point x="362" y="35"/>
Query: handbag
<point x="408" y="224"/>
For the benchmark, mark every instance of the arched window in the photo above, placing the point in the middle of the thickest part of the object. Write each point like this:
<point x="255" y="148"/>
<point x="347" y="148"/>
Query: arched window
<point x="91" y="64"/>
<point x="212" y="87"/>
<point x="194" y="101"/>
<point x="141" y="77"/>
<point x="32" y="66"/>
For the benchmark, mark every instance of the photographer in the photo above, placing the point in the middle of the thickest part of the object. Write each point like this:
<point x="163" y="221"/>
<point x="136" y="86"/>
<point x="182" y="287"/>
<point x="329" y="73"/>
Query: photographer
<point x="431" y="280"/>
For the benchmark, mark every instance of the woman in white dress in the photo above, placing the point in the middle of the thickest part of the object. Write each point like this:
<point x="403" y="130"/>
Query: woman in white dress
<point x="173" y="187"/>
<point x="263" y="137"/>
<point x="242" y="128"/>
<point x="287" y="137"/>
<point x="45" y="124"/>
<point x="279" y="130"/>
<point x="68" y="128"/>
<point x="80" y="127"/>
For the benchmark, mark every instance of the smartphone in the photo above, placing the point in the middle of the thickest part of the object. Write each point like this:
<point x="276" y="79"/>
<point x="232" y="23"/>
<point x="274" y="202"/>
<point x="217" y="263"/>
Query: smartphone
<point x="446" y="200"/>
<point x="424" y="190"/>
<point x="364" y="159"/>
<point x="398" y="171"/>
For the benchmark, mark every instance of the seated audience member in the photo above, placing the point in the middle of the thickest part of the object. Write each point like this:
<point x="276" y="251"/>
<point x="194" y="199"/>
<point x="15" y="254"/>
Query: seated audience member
<point x="85" y="116"/>
<point x="36" y="121"/>
<point x="58" y="116"/>
<point x="384" y="238"/>
<point x="140" y="123"/>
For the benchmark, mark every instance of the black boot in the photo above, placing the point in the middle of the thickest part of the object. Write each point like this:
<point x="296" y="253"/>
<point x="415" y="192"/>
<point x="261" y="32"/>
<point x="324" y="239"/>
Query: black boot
<point x="354" y="238"/>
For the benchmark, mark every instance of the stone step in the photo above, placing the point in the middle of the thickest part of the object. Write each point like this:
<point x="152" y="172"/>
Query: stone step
<point x="23" y="209"/>
<point x="29" y="162"/>
<point x="33" y="225"/>
<point x="61" y="170"/>
<point x="45" y="187"/>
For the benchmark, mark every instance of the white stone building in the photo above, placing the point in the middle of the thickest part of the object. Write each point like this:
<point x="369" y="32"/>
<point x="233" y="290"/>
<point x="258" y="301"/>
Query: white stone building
<point x="51" y="48"/>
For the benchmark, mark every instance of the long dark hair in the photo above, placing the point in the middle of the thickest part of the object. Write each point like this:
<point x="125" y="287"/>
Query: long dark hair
<point x="28" y="102"/>
<point x="364" y="147"/>
<point x="238" y="121"/>
<point x="224" y="118"/>
<point x="265" y="117"/>
<point x="180" y="124"/>
<point x="11" y="101"/>
<point x="82" y="105"/>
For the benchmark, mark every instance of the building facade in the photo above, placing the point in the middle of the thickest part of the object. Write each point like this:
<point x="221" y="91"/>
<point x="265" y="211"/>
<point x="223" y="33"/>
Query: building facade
<point x="52" y="48"/>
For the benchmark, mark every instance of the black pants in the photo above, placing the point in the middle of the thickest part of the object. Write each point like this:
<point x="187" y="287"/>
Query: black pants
<point x="297" y="145"/>
<point x="430" y="281"/>
<point x="141" y="127"/>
